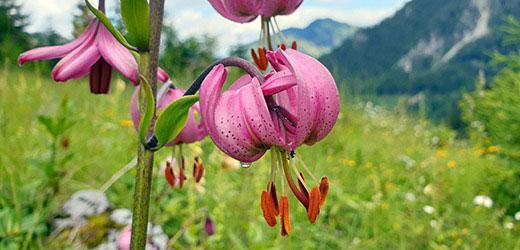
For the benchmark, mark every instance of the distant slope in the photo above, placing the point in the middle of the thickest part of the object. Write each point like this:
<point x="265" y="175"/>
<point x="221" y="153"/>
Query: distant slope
<point x="321" y="36"/>
<point x="318" y="38"/>
<point x="436" y="47"/>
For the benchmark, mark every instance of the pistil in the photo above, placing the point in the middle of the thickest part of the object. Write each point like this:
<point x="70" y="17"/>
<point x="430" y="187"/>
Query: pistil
<point x="299" y="195"/>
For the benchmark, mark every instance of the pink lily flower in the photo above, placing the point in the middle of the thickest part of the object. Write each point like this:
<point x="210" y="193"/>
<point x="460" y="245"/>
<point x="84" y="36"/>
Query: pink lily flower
<point x="298" y="103"/>
<point x="193" y="130"/>
<point x="244" y="11"/>
<point x="95" y="52"/>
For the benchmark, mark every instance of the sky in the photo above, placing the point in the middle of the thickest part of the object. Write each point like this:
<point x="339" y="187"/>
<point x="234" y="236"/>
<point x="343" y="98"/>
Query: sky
<point x="196" y="17"/>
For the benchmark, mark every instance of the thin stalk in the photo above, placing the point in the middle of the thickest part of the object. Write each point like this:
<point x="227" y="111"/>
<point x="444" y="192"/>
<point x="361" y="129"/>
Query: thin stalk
<point x="299" y="195"/>
<point x="269" y="42"/>
<point x="145" y="158"/>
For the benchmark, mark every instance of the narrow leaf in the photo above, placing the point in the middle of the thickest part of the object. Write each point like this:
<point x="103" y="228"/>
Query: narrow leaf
<point x="147" y="117"/>
<point x="136" y="16"/>
<point x="105" y="21"/>
<point x="48" y="123"/>
<point x="172" y="120"/>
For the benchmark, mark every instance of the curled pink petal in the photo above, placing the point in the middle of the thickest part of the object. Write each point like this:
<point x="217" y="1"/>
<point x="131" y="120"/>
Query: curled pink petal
<point x="225" y="118"/>
<point x="318" y="96"/>
<point x="162" y="75"/>
<point x="117" y="55"/>
<point x="77" y="63"/>
<point x="52" y="52"/>
<point x="295" y="105"/>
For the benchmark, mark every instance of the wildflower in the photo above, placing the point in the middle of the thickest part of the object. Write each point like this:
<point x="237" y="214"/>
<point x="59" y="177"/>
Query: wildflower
<point x="65" y="143"/>
<point x="126" y="123"/>
<point x="429" y="209"/>
<point x="509" y="225"/>
<point x="244" y="11"/>
<point x="428" y="190"/>
<point x="86" y="203"/>
<point x="209" y="226"/>
<point x="93" y="53"/>
<point x="193" y="131"/>
<point x="156" y="239"/>
<point x="483" y="201"/>
<point x="441" y="153"/>
<point x="452" y="164"/>
<point x="121" y="216"/>
<point x="517" y="216"/>
<point x="410" y="197"/>
<point x="493" y="149"/>
<point x="297" y="104"/>
<point x="433" y="223"/>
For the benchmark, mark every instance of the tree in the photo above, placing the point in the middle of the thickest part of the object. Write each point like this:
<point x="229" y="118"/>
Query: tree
<point x="186" y="58"/>
<point x="13" y="39"/>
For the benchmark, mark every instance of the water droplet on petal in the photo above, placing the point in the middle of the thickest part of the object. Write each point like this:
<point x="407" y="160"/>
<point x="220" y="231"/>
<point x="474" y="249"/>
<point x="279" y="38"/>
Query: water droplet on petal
<point x="245" y="164"/>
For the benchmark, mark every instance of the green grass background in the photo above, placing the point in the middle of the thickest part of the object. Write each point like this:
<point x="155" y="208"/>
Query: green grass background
<point x="373" y="158"/>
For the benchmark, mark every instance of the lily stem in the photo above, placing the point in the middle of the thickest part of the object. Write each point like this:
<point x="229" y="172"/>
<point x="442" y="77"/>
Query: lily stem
<point x="148" y="65"/>
<point x="227" y="62"/>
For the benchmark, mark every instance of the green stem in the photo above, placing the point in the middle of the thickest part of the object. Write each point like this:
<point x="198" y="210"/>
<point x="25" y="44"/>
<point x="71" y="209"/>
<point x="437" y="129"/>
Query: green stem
<point x="143" y="180"/>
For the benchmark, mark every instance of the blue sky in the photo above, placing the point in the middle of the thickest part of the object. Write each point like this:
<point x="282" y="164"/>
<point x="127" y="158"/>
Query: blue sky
<point x="196" y="17"/>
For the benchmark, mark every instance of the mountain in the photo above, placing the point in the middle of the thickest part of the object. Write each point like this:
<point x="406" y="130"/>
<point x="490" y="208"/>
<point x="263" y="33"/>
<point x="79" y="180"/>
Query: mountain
<point x="321" y="36"/>
<point x="318" y="38"/>
<point x="436" y="48"/>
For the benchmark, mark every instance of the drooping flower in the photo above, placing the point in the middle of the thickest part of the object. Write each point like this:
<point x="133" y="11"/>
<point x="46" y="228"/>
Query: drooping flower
<point x="244" y="11"/>
<point x="193" y="131"/>
<point x="209" y="226"/>
<point x="94" y="53"/>
<point x="298" y="103"/>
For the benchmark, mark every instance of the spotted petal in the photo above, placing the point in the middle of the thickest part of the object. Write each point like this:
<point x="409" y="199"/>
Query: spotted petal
<point x="317" y="96"/>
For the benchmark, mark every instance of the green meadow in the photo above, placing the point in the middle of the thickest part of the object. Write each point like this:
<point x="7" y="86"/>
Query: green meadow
<point x="397" y="181"/>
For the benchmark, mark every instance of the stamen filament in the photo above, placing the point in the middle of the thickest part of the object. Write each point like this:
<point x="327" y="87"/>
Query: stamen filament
<point x="275" y="34"/>
<point x="279" y="30"/>
<point x="269" y="43"/>
<point x="297" y="173"/>
<point x="307" y="169"/>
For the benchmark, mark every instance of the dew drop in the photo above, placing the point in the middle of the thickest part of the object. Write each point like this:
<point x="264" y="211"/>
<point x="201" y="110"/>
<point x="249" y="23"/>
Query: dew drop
<point x="245" y="164"/>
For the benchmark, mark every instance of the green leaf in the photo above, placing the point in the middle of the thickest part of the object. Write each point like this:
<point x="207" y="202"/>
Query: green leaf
<point x="147" y="118"/>
<point x="136" y="16"/>
<point x="101" y="16"/>
<point x="172" y="120"/>
<point x="48" y="124"/>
